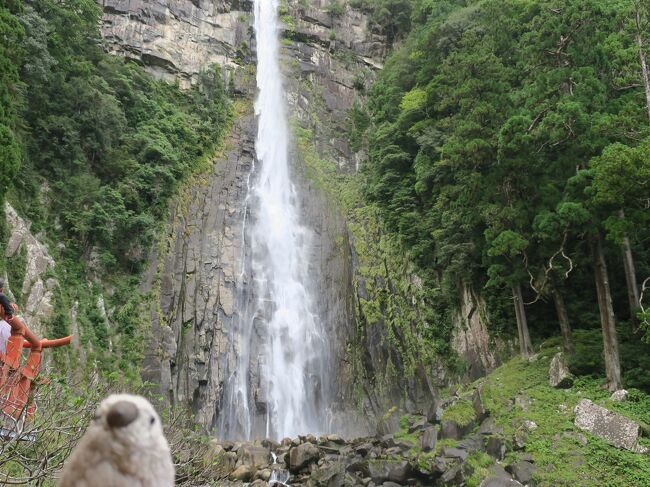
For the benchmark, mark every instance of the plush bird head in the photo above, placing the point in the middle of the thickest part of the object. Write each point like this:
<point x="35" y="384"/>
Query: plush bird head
<point x="130" y="420"/>
<point x="124" y="446"/>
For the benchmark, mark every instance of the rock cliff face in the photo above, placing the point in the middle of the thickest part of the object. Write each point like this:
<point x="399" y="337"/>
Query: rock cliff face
<point x="30" y="261"/>
<point x="193" y="269"/>
<point x="176" y="40"/>
<point x="193" y="275"/>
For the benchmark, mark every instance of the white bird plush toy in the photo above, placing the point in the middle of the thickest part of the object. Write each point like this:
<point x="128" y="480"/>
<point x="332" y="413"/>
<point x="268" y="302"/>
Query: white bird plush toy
<point x="123" y="447"/>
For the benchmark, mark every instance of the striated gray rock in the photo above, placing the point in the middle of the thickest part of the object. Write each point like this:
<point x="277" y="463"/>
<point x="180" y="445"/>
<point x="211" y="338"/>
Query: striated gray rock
<point x="454" y="453"/>
<point x="434" y="413"/>
<point x="559" y="374"/>
<point x="471" y="339"/>
<point x="193" y="273"/>
<point x="428" y="439"/>
<point x="616" y="429"/>
<point x="176" y="39"/>
<point x="477" y="403"/>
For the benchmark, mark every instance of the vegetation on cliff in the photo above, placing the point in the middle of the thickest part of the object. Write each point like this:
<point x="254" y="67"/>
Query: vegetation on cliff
<point x="508" y="149"/>
<point x="102" y="148"/>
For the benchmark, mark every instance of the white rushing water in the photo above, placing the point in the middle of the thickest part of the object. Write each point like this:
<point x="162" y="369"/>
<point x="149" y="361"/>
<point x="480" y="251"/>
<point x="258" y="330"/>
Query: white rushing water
<point x="294" y="349"/>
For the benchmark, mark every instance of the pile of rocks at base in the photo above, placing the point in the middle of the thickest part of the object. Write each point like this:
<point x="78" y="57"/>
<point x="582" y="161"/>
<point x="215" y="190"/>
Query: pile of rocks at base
<point x="416" y="459"/>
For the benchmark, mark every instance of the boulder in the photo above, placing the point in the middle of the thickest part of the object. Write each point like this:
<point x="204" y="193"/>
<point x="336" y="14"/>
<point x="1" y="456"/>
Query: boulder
<point x="302" y="455"/>
<point x="471" y="443"/>
<point x="255" y="456"/>
<point x="523" y="472"/>
<point x="559" y="374"/>
<point x="450" y="430"/>
<point x="400" y="472"/>
<point x="264" y="474"/>
<point x="616" y="429"/>
<point x="529" y="425"/>
<point x="489" y="427"/>
<point x="388" y="441"/>
<point x="520" y="438"/>
<point x="500" y="482"/>
<point x="364" y="449"/>
<point x="619" y="396"/>
<point x="453" y="476"/>
<point x="417" y="424"/>
<point x="454" y="453"/>
<point x="243" y="473"/>
<point x="335" y="439"/>
<point x="259" y="483"/>
<point x="360" y="467"/>
<point x="434" y="414"/>
<point x="495" y="447"/>
<point x="404" y="445"/>
<point x="330" y="475"/>
<point x="428" y="439"/>
<point x="479" y="408"/>
<point x="523" y="402"/>
<point x="393" y="470"/>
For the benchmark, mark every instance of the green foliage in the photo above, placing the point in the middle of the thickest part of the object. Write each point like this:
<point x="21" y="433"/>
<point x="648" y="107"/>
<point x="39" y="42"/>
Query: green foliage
<point x="11" y="55"/>
<point x="105" y="147"/>
<point x="111" y="142"/>
<point x="504" y="135"/>
<point x="413" y="100"/>
<point x="16" y="271"/>
<point x="560" y="457"/>
<point x="336" y="8"/>
<point x="462" y="412"/>
<point x="478" y="463"/>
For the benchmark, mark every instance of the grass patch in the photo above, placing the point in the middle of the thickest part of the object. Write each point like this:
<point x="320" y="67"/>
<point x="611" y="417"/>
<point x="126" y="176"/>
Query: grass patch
<point x="479" y="462"/>
<point x="557" y="445"/>
<point x="462" y="412"/>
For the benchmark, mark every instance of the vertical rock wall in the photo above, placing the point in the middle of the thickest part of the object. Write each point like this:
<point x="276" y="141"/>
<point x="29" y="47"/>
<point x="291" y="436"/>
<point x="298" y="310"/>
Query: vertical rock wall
<point x="193" y="277"/>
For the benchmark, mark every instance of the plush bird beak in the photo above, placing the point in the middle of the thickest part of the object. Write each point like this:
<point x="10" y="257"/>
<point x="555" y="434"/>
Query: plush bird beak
<point x="121" y="414"/>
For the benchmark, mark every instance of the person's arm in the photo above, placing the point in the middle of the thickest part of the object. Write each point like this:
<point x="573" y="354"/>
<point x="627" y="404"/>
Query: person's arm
<point x="6" y="304"/>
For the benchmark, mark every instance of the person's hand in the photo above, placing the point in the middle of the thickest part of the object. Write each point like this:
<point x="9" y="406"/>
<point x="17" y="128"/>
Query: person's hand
<point x="15" y="307"/>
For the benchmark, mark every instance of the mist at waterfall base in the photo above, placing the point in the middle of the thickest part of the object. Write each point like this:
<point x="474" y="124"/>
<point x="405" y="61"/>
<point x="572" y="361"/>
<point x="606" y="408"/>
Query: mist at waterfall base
<point x="276" y="307"/>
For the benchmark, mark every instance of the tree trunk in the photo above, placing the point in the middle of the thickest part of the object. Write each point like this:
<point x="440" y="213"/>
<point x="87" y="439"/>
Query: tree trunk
<point x="522" y="324"/>
<point x="607" y="319"/>
<point x="563" y="318"/>
<point x="630" y="274"/>
<point x="644" y="64"/>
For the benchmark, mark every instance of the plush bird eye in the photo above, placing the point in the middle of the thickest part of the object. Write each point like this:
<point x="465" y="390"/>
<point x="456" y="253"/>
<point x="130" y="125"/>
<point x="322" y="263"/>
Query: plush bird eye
<point x="152" y="420"/>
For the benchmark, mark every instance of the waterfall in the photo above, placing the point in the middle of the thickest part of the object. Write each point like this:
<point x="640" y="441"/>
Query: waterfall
<point x="276" y="306"/>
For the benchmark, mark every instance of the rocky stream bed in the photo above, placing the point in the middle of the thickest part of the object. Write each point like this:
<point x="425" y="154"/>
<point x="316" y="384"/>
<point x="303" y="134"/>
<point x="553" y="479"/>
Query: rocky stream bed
<point x="418" y="455"/>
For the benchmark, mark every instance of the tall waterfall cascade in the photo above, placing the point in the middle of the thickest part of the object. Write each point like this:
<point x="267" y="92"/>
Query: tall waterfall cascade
<point x="278" y="338"/>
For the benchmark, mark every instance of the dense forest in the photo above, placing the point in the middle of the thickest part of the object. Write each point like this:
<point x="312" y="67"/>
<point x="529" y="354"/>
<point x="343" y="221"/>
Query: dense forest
<point x="509" y="148"/>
